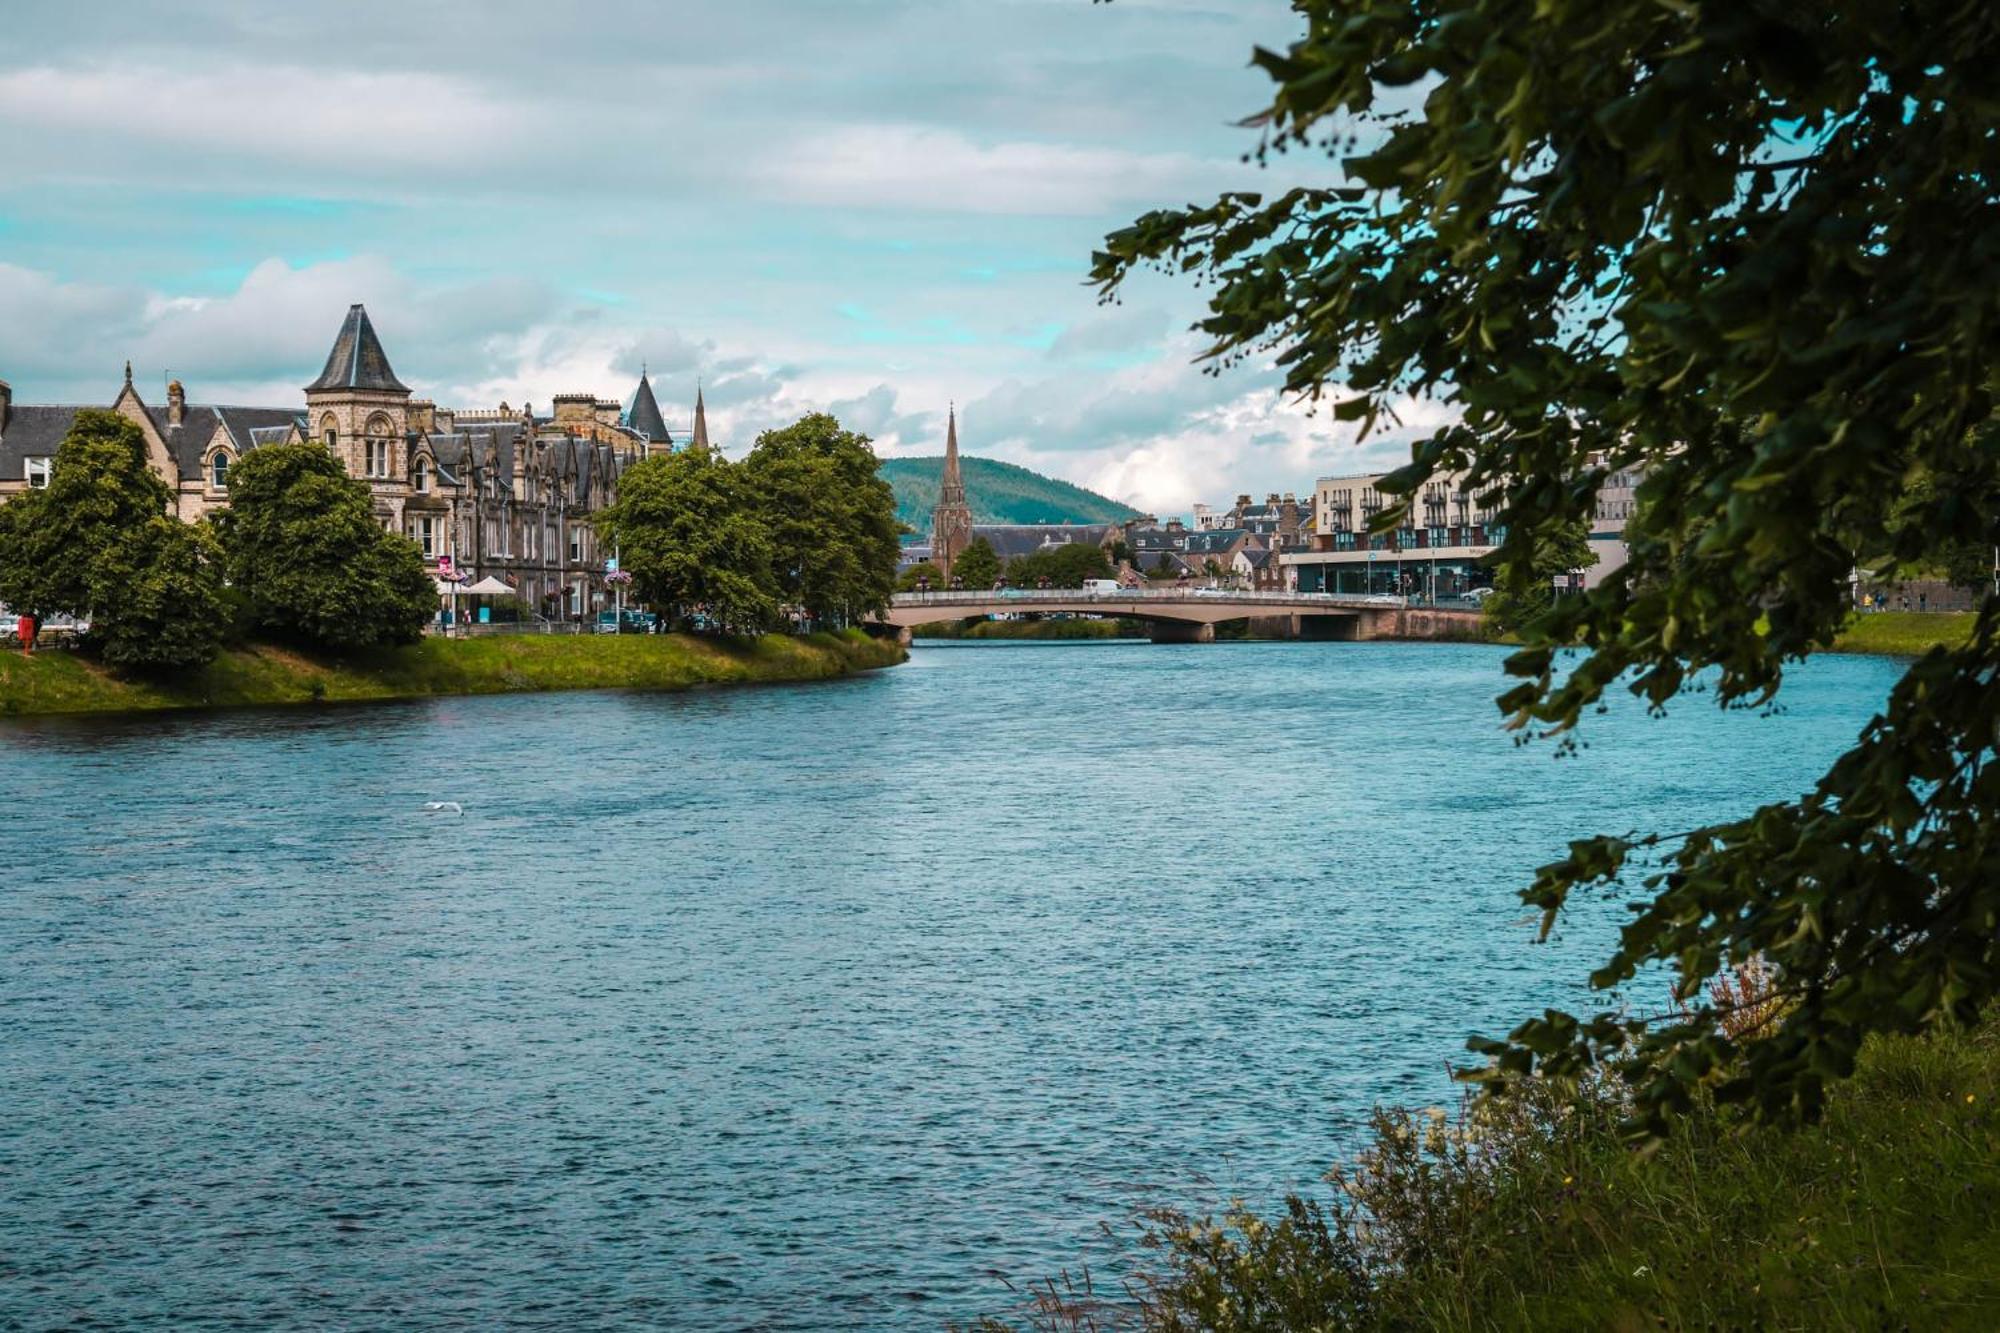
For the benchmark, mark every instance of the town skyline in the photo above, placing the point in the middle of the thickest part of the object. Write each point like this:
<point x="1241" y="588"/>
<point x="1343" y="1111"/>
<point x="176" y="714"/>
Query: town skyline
<point x="873" y="247"/>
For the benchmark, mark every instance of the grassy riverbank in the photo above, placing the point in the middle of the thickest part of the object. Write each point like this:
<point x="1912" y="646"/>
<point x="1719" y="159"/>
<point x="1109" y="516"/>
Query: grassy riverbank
<point x="61" y="682"/>
<point x="1878" y="1217"/>
<point x="1904" y="633"/>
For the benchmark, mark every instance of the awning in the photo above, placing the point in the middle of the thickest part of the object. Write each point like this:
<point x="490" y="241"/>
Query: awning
<point x="488" y="587"/>
<point x="446" y="589"/>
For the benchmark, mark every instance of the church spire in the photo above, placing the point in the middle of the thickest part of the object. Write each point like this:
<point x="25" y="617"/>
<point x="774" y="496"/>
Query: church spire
<point x="700" y="421"/>
<point x="951" y="520"/>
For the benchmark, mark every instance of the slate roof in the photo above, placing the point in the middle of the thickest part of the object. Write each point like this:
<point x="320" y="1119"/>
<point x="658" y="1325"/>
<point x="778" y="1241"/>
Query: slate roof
<point x="189" y="440"/>
<point x="1215" y="542"/>
<point x="357" y="360"/>
<point x="1012" y="539"/>
<point x="32" y="432"/>
<point x="644" y="415"/>
<point x="35" y="432"/>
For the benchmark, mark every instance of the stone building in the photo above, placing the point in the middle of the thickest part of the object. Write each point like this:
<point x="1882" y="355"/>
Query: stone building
<point x="503" y="492"/>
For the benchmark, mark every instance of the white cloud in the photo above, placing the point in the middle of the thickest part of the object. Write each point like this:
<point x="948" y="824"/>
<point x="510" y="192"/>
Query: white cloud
<point x="333" y="117"/>
<point x="909" y="167"/>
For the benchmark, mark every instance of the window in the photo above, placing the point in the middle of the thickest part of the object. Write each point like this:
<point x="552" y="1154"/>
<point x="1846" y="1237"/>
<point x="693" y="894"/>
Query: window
<point x="38" y="472"/>
<point x="218" y="471"/>
<point x="575" y="542"/>
<point x="425" y="531"/>
<point x="378" y="458"/>
<point x="420" y="477"/>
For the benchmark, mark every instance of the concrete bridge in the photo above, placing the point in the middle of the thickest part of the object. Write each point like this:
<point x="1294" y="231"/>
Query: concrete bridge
<point x="1172" y="615"/>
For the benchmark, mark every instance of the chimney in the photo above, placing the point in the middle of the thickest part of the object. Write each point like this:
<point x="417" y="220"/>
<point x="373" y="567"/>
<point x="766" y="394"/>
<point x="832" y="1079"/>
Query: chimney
<point x="1242" y="502"/>
<point x="1271" y="498"/>
<point x="176" y="404"/>
<point x="6" y="404"/>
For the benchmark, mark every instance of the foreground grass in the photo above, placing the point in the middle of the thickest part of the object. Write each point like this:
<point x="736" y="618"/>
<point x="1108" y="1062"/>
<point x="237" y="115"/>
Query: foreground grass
<point x="1904" y="633"/>
<point x="61" y="682"/>
<point x="1881" y="1216"/>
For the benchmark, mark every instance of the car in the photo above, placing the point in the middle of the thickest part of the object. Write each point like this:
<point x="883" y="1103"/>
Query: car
<point x="1477" y="594"/>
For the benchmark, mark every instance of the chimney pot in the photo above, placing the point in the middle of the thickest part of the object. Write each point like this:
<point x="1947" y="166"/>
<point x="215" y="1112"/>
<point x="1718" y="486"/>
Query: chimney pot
<point x="176" y="403"/>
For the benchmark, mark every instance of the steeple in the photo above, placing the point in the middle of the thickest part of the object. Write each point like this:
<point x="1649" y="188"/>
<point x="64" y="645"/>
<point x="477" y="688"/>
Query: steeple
<point x="644" y="416"/>
<point x="357" y="360"/>
<point x="951" y="520"/>
<point x="700" y="421"/>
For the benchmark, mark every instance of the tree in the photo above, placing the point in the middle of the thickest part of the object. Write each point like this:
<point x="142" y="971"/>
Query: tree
<point x="1748" y="253"/>
<point x="97" y="542"/>
<point x="688" y="530"/>
<point x="1064" y="566"/>
<point x="922" y="571"/>
<point x="1516" y="603"/>
<point x="101" y="492"/>
<point x="312" y="565"/>
<point x="830" y="518"/>
<point x="164" y="591"/>
<point x="977" y="566"/>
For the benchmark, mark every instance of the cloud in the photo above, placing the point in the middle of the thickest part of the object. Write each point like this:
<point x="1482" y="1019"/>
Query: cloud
<point x="287" y="113"/>
<point x="913" y="167"/>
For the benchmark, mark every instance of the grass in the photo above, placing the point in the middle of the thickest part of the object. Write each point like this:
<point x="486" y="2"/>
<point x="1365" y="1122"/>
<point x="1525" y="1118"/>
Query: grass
<point x="1536" y="1214"/>
<point x="54" y="681"/>
<point x="1904" y="633"/>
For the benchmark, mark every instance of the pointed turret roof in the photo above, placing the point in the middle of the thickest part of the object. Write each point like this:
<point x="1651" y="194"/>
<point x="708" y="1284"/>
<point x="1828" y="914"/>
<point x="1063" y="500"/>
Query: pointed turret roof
<point x="700" y="421"/>
<point x="357" y="360"/>
<point x="645" y="414"/>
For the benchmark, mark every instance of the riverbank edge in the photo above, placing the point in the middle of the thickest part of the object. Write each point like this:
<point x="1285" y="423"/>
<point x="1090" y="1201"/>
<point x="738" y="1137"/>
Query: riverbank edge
<point x="1875" y="634"/>
<point x="56" y="682"/>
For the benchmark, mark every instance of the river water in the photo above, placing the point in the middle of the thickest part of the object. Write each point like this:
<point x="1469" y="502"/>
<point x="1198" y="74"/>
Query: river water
<point x="814" y="1007"/>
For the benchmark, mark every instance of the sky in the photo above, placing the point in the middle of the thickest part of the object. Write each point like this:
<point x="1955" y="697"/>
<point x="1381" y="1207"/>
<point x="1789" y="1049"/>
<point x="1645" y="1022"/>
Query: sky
<point x="870" y="207"/>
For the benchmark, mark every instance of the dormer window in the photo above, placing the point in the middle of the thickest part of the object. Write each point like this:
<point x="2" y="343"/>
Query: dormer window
<point x="420" y="477"/>
<point x="218" y="471"/>
<point x="38" y="472"/>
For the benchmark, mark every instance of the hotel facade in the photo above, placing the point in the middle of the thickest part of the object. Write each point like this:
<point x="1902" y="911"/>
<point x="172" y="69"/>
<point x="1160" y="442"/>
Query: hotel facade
<point x="500" y="492"/>
<point x="1439" y="550"/>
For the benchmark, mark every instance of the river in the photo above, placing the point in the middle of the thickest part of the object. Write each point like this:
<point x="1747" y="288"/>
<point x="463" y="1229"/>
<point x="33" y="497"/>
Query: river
<point x="803" y="1007"/>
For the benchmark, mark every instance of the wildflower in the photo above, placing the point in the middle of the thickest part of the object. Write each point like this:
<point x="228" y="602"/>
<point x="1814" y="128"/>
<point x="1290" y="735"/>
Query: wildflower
<point x="1569" y="1180"/>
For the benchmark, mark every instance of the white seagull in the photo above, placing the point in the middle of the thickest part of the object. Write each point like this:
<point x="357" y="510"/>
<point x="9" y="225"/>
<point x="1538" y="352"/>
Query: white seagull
<point x="444" y="807"/>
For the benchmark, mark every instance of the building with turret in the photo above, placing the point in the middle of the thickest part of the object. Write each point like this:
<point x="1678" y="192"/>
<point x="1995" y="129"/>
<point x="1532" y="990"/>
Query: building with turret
<point x="503" y="492"/>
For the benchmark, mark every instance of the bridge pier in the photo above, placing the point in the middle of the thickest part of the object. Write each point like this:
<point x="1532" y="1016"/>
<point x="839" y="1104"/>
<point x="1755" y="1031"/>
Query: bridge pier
<point x="1179" y="631"/>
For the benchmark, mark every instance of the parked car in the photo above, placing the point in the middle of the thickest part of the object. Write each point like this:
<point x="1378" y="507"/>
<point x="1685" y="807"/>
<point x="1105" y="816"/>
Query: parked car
<point x="1478" y="594"/>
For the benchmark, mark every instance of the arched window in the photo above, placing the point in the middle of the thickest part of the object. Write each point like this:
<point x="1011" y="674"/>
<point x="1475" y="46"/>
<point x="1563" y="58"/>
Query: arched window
<point x="328" y="431"/>
<point x="420" y="477"/>
<point x="218" y="470"/>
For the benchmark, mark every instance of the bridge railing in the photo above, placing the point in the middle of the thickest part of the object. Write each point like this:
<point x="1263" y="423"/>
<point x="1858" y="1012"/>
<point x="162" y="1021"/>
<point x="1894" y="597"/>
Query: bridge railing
<point x="1029" y="596"/>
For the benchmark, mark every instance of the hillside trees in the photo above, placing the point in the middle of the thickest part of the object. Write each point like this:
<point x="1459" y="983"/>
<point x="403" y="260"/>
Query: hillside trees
<point x="1751" y="254"/>
<point x="98" y="543"/>
<point x="310" y="562"/>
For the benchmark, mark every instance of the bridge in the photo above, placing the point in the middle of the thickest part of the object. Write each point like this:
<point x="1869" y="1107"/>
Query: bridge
<point x="1172" y="615"/>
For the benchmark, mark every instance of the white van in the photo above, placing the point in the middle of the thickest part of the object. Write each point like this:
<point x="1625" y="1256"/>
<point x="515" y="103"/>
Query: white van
<point x="1102" y="587"/>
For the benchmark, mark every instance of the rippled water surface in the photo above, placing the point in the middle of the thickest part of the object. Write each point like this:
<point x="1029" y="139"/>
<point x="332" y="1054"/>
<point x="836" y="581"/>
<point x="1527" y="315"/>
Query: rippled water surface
<point x="818" y="1007"/>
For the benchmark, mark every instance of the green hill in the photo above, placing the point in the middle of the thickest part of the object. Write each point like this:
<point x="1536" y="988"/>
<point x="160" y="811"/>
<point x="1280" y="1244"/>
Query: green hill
<point x="998" y="493"/>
